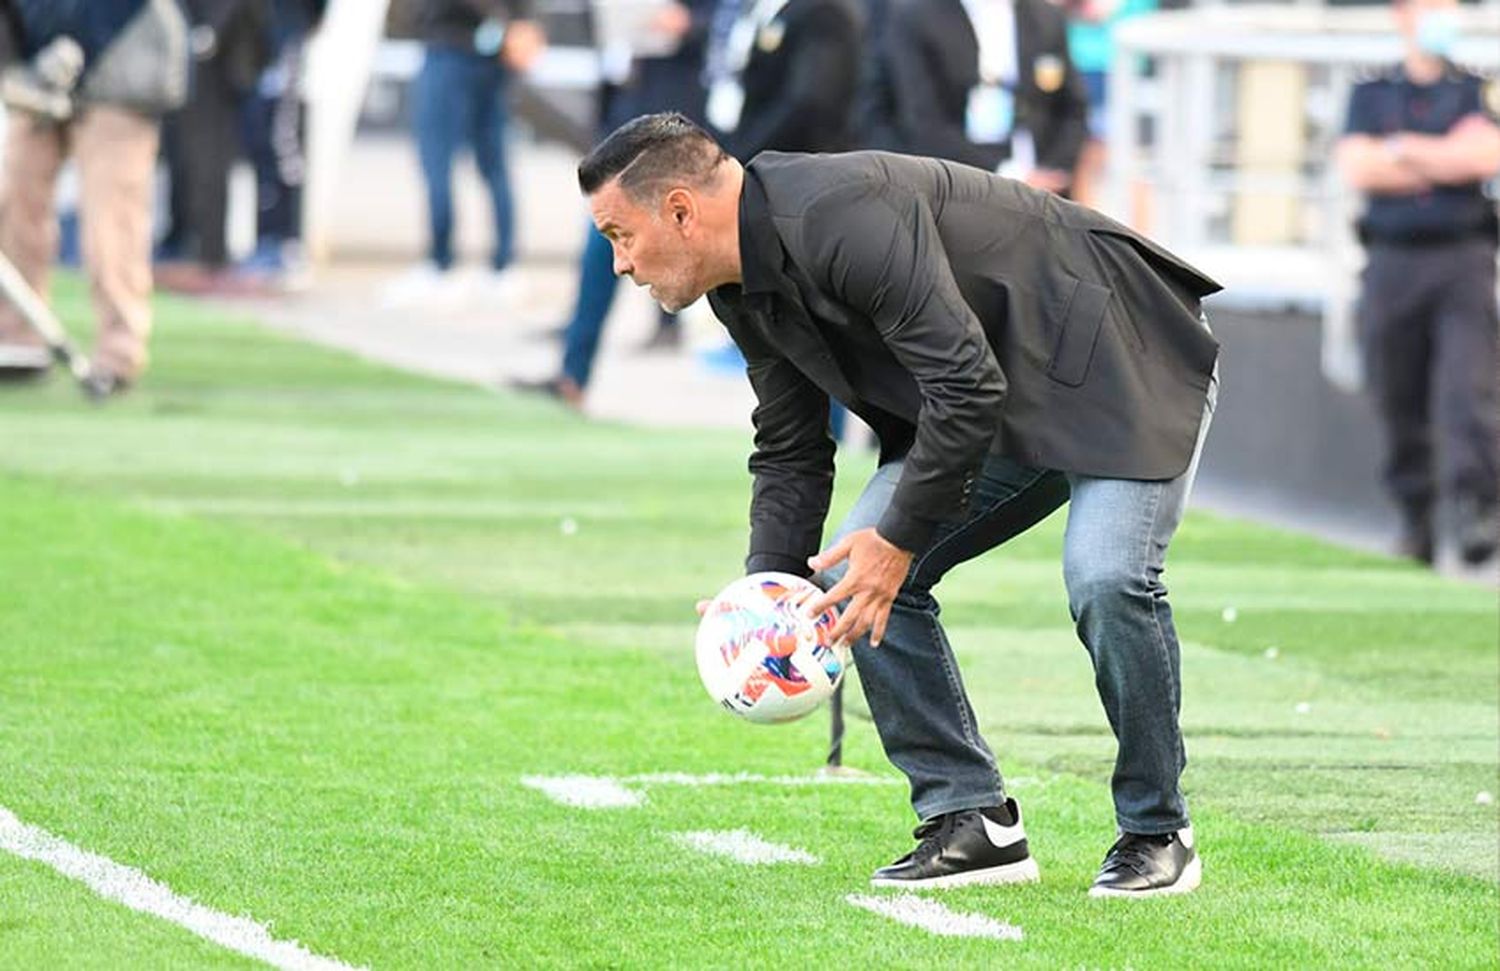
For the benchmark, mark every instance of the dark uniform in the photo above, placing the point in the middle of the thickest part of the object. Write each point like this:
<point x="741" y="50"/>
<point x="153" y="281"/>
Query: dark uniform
<point x="798" y="78"/>
<point x="1427" y="305"/>
<point x="918" y="94"/>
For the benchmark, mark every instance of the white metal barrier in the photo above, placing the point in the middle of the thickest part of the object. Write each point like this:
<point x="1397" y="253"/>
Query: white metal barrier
<point x="1222" y="123"/>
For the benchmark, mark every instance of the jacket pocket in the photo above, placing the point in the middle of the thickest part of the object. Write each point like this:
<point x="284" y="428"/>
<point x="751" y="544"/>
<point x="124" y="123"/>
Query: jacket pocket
<point x="1078" y="334"/>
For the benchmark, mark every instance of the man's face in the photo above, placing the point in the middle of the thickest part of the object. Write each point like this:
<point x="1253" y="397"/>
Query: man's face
<point x="652" y="246"/>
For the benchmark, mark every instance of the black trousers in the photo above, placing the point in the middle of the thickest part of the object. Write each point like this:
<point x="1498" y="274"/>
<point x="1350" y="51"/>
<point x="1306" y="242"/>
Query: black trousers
<point x="202" y="144"/>
<point x="1429" y="327"/>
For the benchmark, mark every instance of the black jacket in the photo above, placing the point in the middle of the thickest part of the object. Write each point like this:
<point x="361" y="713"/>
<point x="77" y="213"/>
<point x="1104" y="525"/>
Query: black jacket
<point x="958" y="313"/>
<point x="929" y="61"/>
<point x="799" y="82"/>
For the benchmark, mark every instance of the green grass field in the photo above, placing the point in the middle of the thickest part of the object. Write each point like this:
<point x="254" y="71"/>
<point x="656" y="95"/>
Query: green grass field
<point x="285" y="630"/>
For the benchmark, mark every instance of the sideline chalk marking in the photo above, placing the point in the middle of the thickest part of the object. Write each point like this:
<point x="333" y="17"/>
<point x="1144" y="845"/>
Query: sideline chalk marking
<point x="742" y="846"/>
<point x="135" y="890"/>
<point x="609" y="792"/>
<point x="933" y="917"/>
<point x="751" y="778"/>
<point x="584" y="791"/>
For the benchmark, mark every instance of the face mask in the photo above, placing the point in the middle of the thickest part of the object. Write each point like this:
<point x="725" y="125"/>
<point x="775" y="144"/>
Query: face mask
<point x="1437" y="32"/>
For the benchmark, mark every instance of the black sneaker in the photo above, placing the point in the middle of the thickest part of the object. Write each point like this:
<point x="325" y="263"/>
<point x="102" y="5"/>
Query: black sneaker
<point x="1148" y="866"/>
<point x="964" y="848"/>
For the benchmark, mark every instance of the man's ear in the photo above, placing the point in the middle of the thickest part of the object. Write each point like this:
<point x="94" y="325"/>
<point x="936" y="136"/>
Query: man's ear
<point x="681" y="208"/>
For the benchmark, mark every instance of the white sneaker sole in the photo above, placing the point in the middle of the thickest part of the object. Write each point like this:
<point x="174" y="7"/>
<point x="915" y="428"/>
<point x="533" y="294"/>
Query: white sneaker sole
<point x="1192" y="876"/>
<point x="1022" y="871"/>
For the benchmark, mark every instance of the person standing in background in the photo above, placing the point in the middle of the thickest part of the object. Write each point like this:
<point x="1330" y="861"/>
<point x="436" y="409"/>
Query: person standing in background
<point x="275" y="126"/>
<point x="80" y="79"/>
<point x="781" y="76"/>
<point x="1091" y="45"/>
<point x="1421" y="141"/>
<point x="459" y="98"/>
<point x="230" y="47"/>
<point x="988" y="83"/>
<point x="666" y="82"/>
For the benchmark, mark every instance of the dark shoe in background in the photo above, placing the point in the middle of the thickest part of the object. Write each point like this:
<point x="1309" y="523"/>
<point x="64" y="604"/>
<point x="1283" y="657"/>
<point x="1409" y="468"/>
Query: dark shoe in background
<point x="1417" y="540"/>
<point x="562" y="388"/>
<point x="1478" y="529"/>
<point x="1149" y="866"/>
<point x="664" y="338"/>
<point x="965" y="848"/>
<point x="556" y="334"/>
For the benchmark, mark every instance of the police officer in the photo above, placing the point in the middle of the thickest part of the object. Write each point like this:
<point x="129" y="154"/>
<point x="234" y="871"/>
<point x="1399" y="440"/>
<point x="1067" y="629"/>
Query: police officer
<point x="1421" y="140"/>
<point x="986" y="82"/>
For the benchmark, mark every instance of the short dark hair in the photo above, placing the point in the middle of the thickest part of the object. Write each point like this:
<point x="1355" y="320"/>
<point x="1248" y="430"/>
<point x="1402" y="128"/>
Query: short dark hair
<point x="649" y="153"/>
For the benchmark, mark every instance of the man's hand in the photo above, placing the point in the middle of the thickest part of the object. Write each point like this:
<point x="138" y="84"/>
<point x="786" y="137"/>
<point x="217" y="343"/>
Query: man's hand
<point x="1052" y="180"/>
<point x="673" y="20"/>
<point x="524" y="42"/>
<point x="876" y="571"/>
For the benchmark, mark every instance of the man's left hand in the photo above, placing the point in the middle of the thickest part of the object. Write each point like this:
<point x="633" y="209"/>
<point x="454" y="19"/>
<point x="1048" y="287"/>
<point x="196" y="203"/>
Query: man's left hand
<point x="876" y="571"/>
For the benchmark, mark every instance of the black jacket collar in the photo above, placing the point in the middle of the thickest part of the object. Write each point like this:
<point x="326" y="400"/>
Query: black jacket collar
<point x="761" y="256"/>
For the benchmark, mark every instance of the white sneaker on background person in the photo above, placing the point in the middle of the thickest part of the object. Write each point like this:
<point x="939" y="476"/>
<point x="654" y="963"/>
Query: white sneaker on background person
<point x="424" y="285"/>
<point x="484" y="287"/>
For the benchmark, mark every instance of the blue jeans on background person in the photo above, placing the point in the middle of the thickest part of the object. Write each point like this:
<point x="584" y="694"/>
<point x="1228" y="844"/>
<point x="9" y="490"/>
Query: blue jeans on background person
<point x="596" y="293"/>
<point x="1114" y="550"/>
<point x="458" y="100"/>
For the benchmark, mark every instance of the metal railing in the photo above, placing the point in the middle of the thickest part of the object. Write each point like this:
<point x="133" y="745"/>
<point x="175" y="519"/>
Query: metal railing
<point x="1187" y="86"/>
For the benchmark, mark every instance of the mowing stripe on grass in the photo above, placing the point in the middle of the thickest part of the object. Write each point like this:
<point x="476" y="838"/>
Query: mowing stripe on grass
<point x="742" y="846"/>
<point x="933" y="917"/>
<point x="131" y="887"/>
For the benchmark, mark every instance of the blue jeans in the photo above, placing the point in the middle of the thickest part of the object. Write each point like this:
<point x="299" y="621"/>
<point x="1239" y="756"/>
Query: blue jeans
<point x="596" y="292"/>
<point x="1113" y="554"/>
<point x="459" y="99"/>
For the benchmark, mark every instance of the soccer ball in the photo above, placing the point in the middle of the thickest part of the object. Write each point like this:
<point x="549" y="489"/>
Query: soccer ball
<point x="761" y="656"/>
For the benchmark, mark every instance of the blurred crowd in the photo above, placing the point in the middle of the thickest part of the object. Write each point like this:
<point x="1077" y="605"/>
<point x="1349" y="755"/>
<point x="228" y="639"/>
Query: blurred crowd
<point x="130" y="89"/>
<point x="1012" y="86"/>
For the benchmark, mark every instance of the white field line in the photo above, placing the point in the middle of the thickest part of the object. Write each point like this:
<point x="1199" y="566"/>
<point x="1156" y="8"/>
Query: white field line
<point x="743" y="846"/>
<point x="933" y="917"/>
<point x="611" y="792"/>
<point x="584" y="791"/>
<point x="131" y="887"/>
<point x="751" y="778"/>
